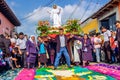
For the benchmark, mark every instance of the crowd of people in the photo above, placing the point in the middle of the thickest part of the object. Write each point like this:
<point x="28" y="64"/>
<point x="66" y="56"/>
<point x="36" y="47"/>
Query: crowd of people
<point x="22" y="51"/>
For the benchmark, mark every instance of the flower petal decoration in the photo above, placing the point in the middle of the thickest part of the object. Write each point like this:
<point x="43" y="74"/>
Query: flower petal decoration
<point x="52" y="35"/>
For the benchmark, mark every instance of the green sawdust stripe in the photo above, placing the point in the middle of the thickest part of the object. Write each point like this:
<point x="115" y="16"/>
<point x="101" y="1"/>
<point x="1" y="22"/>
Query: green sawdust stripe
<point x="43" y="73"/>
<point x="9" y="75"/>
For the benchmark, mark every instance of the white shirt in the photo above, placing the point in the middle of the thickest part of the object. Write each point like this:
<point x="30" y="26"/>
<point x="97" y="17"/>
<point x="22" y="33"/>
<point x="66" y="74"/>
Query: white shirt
<point x="21" y="43"/>
<point x="97" y="40"/>
<point x="106" y="35"/>
<point x="62" y="41"/>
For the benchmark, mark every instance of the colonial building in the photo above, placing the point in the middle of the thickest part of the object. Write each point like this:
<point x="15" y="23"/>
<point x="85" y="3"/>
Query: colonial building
<point x="106" y="16"/>
<point x="90" y="26"/>
<point x="8" y="20"/>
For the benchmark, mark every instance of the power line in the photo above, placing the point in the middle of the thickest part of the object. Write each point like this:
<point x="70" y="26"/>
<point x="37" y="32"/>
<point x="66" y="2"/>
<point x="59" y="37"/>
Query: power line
<point x="86" y="10"/>
<point x="75" y="9"/>
<point x="96" y="6"/>
<point x="48" y="4"/>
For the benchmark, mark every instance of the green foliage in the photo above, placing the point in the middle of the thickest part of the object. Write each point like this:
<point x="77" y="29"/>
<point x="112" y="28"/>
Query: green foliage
<point x="53" y="32"/>
<point x="73" y="26"/>
<point x="42" y="30"/>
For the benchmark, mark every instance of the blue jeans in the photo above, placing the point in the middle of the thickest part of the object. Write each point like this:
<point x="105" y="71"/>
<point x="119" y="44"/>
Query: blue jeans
<point x="63" y="51"/>
<point x="97" y="54"/>
<point x="114" y="59"/>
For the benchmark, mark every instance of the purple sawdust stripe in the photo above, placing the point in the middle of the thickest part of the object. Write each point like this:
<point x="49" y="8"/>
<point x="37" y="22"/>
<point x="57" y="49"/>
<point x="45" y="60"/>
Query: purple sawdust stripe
<point x="26" y="74"/>
<point x="109" y="66"/>
<point x="104" y="70"/>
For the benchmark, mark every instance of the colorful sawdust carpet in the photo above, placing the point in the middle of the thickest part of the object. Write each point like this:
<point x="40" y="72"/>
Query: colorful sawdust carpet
<point x="9" y="75"/>
<point x="62" y="73"/>
<point x="110" y="70"/>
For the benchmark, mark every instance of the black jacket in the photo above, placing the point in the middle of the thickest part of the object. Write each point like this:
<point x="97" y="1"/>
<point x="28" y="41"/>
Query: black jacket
<point x="4" y="45"/>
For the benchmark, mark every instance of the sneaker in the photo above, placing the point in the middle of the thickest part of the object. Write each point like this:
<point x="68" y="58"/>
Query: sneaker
<point x="70" y="67"/>
<point x="41" y="66"/>
<point x="110" y="62"/>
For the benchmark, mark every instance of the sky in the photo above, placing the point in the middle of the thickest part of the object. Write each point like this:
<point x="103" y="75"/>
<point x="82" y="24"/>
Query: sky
<point x="29" y="12"/>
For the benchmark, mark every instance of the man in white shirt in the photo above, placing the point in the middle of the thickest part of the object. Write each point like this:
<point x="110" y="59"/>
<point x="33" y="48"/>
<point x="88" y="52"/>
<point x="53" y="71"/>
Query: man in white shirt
<point x="21" y="42"/>
<point x="107" y="48"/>
<point x="97" y="46"/>
<point x="61" y="40"/>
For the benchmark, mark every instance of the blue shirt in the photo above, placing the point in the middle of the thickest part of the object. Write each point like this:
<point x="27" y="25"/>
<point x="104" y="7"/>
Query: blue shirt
<point x="42" y="49"/>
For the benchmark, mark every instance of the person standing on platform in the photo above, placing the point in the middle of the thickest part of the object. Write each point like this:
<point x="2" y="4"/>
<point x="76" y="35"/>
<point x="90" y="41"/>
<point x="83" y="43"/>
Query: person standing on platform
<point x="55" y="15"/>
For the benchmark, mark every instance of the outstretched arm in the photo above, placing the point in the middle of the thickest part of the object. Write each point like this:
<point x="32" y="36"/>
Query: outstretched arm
<point x="59" y="11"/>
<point x="49" y="12"/>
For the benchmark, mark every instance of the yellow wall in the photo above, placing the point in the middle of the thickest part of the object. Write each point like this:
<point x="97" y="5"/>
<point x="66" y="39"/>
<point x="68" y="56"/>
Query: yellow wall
<point x="91" y="25"/>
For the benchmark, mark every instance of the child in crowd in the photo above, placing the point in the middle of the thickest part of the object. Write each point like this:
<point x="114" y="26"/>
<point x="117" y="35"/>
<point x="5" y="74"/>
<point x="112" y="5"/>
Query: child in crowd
<point x="113" y="45"/>
<point x="42" y="58"/>
<point x="16" y="57"/>
<point x="97" y="46"/>
<point x="2" y="61"/>
<point x="52" y="54"/>
<point x="8" y="59"/>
